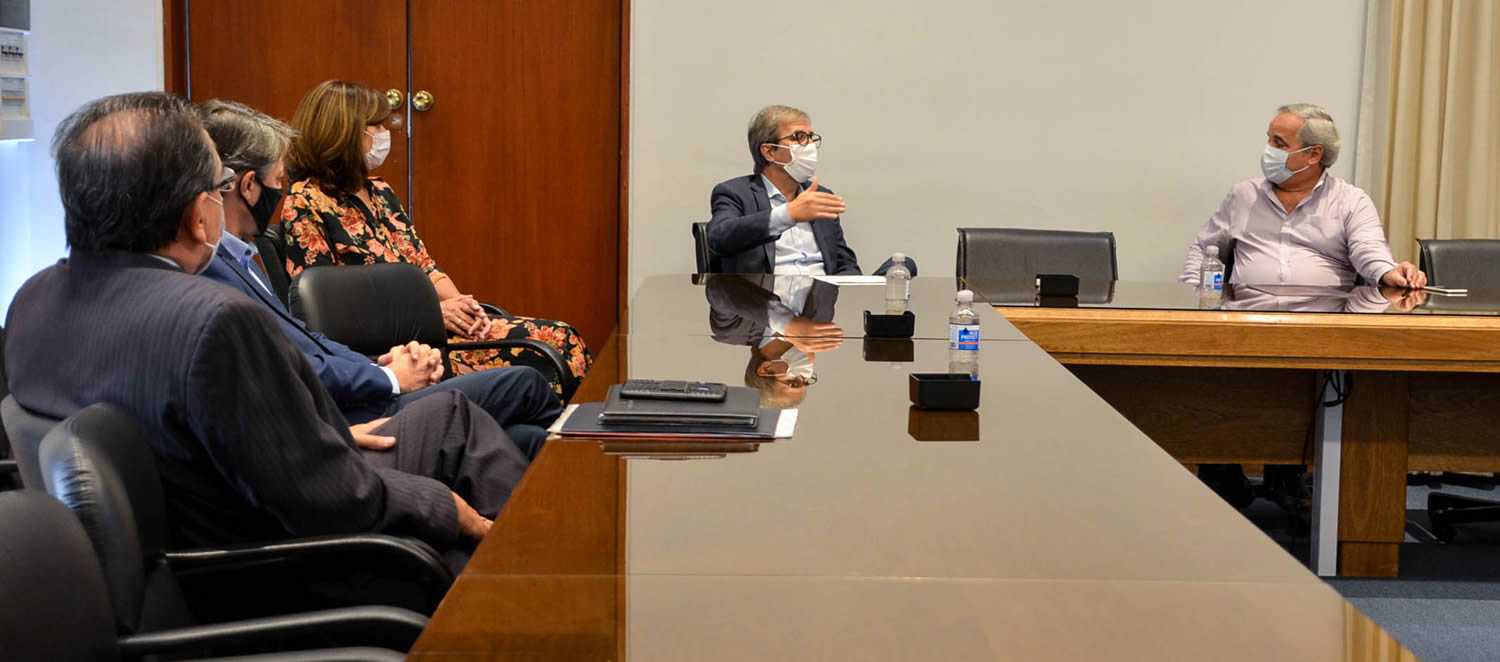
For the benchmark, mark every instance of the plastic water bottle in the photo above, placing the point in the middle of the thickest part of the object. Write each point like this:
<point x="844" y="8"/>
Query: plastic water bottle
<point x="963" y="337"/>
<point x="1212" y="272"/>
<point x="897" y="285"/>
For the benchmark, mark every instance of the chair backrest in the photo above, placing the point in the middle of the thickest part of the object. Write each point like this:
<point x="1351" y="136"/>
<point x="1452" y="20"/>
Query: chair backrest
<point x="1012" y="253"/>
<point x="370" y="308"/>
<point x="911" y="267"/>
<point x="272" y="247"/>
<point x="1461" y="262"/>
<point x="98" y="464"/>
<point x="4" y="393"/>
<point x="708" y="261"/>
<point x="54" y="604"/>
<point x="25" y="431"/>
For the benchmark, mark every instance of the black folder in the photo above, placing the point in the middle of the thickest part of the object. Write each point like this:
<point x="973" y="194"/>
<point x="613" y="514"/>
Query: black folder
<point x="583" y="421"/>
<point x="739" y="409"/>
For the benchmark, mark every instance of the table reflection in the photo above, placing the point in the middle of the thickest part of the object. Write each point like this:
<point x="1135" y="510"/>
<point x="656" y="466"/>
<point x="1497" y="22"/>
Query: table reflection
<point x="784" y="322"/>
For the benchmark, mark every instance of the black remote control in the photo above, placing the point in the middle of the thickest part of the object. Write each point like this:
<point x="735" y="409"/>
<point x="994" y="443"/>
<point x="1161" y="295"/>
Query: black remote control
<point x="674" y="390"/>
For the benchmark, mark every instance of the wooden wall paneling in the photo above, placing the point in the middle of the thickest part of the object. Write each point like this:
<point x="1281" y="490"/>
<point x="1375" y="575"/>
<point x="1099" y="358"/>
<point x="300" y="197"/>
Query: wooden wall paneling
<point x="517" y="166"/>
<point x="623" y="320"/>
<point x="174" y="46"/>
<point x="269" y="53"/>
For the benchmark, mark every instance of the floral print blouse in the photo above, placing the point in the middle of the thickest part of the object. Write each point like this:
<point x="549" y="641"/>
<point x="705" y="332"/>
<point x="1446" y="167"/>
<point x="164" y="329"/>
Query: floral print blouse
<point x="330" y="229"/>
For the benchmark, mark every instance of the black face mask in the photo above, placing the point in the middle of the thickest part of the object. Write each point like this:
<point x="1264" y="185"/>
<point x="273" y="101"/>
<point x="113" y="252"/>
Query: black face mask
<point x="265" y="207"/>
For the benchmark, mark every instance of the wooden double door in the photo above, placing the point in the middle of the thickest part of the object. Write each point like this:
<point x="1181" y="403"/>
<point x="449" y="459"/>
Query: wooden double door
<point x="512" y="175"/>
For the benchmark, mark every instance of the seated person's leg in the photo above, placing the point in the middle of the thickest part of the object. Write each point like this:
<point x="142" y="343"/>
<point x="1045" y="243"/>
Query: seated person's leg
<point x="557" y="334"/>
<point x="446" y="437"/>
<point x="513" y="395"/>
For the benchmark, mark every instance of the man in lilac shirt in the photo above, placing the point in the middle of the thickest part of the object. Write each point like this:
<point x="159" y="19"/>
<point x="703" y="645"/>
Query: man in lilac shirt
<point x="1300" y="225"/>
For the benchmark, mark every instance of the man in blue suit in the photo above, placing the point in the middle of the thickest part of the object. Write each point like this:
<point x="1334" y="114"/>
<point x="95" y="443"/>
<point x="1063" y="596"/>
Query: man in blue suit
<point x="253" y="144"/>
<point x="778" y="219"/>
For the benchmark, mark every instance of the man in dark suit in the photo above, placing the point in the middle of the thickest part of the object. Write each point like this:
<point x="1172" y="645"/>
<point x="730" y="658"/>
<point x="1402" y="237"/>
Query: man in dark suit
<point x="786" y="321"/>
<point x="249" y="443"/>
<point x="778" y="219"/>
<point x="253" y="144"/>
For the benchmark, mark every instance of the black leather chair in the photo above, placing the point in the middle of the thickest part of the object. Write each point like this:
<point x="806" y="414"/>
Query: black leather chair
<point x="1465" y="263"/>
<point x="372" y="308"/>
<point x="272" y="246"/>
<point x="1004" y="259"/>
<point x="708" y="261"/>
<point x="99" y="464"/>
<point x="911" y="266"/>
<point x="57" y="603"/>
<point x="1461" y="263"/>
<point x="24" y="430"/>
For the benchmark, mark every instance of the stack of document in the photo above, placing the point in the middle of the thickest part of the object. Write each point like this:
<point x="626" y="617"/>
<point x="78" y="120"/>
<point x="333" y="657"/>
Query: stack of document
<point x="739" y="416"/>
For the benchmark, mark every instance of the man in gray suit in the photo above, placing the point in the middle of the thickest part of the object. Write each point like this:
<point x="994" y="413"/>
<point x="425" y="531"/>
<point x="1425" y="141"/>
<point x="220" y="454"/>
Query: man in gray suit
<point x="779" y="219"/>
<point x="249" y="442"/>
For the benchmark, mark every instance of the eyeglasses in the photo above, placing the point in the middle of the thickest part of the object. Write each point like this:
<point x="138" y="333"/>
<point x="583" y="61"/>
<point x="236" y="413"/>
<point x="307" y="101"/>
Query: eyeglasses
<point x="796" y="382"/>
<point x="803" y="138"/>
<point x="226" y="182"/>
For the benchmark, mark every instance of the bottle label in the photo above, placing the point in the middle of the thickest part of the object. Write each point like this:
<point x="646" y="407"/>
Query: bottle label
<point x="963" y="336"/>
<point x="1216" y="281"/>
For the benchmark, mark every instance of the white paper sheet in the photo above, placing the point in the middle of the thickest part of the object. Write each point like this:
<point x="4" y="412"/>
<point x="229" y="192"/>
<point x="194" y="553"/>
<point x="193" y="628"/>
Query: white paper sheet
<point x="852" y="280"/>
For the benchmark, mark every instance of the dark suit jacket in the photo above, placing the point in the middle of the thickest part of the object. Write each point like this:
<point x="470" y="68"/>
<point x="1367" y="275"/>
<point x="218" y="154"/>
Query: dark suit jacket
<point x="249" y="442"/>
<point x="739" y="306"/>
<point x="350" y="376"/>
<point x="739" y="231"/>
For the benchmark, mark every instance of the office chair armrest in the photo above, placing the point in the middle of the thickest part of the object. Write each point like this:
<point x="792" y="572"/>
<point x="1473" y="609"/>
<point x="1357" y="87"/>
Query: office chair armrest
<point x="550" y="360"/>
<point x="389" y="624"/>
<point x="493" y="309"/>
<point x="319" y="655"/>
<point x="8" y="467"/>
<point x="420" y="560"/>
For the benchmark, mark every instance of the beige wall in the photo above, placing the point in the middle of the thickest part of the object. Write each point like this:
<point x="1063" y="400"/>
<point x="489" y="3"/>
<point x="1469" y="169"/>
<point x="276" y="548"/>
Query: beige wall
<point x="1133" y="117"/>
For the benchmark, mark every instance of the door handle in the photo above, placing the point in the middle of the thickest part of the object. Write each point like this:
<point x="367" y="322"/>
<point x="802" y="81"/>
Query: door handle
<point x="393" y="97"/>
<point x="422" y="100"/>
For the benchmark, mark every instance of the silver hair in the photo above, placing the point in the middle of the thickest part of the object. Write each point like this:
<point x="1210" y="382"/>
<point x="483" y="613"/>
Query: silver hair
<point x="246" y="138"/>
<point x="1317" y="129"/>
<point x="763" y="129"/>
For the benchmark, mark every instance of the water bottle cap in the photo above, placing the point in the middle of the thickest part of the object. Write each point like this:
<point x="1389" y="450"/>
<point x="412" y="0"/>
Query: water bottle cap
<point x="964" y="296"/>
<point x="899" y="258"/>
<point x="1213" y="251"/>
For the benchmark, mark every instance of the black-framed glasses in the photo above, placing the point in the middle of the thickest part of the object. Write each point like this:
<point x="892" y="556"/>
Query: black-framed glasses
<point x="803" y="138"/>
<point x="226" y="181"/>
<point x="797" y="382"/>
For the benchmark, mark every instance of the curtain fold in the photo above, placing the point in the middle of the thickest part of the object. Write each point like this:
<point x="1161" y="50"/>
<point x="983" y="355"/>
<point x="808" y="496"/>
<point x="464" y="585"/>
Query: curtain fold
<point x="1428" y="148"/>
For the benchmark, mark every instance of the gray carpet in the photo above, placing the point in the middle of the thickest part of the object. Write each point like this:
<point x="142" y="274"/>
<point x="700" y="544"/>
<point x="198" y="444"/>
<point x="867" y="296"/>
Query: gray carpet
<point x="1445" y="607"/>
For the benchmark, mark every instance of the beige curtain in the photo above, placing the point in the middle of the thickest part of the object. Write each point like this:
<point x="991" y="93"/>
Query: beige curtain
<point x="1428" y="150"/>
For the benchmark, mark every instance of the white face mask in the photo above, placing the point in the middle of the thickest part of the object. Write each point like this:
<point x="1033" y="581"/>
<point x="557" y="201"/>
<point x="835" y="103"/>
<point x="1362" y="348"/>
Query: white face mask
<point x="798" y="363"/>
<point x="213" y="249"/>
<point x="804" y="162"/>
<point x="1273" y="164"/>
<point x="380" y="147"/>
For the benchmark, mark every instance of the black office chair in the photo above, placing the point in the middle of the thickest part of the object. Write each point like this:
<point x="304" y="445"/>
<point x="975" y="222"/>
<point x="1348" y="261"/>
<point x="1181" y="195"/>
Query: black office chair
<point x="911" y="267"/>
<point x="1465" y="263"/>
<point x="25" y="431"/>
<point x="272" y="246"/>
<point x="372" y="308"/>
<point x="417" y="575"/>
<point x="708" y="261"/>
<point x="56" y="604"/>
<point x="1003" y="262"/>
<point x="1461" y="263"/>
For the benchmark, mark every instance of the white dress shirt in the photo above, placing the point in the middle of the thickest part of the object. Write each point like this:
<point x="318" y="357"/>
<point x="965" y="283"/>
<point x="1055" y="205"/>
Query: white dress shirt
<point x="1331" y="236"/>
<point x="791" y="298"/>
<point x="797" y="251"/>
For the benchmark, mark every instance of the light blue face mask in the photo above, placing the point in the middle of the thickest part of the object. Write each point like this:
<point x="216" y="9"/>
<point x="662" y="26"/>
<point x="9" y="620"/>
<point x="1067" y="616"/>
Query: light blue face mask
<point x="1273" y="164"/>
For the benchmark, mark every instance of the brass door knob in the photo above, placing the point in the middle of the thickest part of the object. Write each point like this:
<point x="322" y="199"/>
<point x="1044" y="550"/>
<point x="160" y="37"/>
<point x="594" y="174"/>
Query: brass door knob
<point x="393" y="97"/>
<point x="422" y="100"/>
<point x="394" y="122"/>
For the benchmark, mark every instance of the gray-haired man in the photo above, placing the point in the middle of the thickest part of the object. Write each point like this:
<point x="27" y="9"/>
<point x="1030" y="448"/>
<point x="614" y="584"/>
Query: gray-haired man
<point x="1300" y="225"/>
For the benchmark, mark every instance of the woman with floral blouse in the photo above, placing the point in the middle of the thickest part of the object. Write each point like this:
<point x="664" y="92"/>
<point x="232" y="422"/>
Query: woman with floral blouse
<point x="336" y="213"/>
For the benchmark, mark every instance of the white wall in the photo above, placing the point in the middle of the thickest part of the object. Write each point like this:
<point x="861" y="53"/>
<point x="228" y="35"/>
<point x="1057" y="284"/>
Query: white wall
<point x="1134" y="117"/>
<point x="79" y="50"/>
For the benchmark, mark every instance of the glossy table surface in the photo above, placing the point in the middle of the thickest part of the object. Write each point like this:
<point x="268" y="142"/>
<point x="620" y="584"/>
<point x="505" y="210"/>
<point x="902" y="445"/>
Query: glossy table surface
<point x="674" y="306"/>
<point x="1158" y="295"/>
<point x="1040" y="526"/>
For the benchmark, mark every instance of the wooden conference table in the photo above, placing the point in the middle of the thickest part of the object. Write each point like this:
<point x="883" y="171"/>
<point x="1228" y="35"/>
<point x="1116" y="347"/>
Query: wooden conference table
<point x="1041" y="526"/>
<point x="1239" y="384"/>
